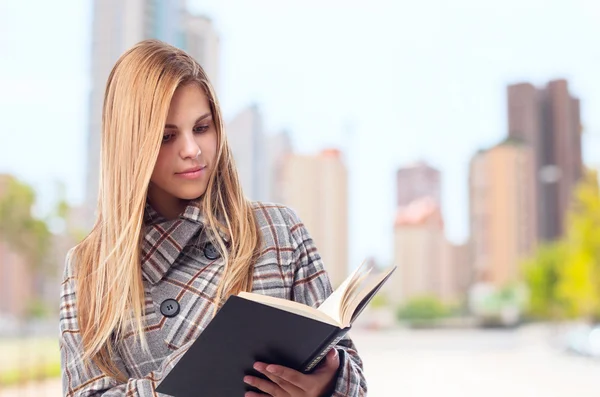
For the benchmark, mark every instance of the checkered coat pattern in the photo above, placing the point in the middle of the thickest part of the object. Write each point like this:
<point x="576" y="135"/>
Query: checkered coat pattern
<point x="175" y="265"/>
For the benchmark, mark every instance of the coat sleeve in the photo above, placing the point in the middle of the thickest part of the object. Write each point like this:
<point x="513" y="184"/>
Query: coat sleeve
<point x="311" y="287"/>
<point x="78" y="381"/>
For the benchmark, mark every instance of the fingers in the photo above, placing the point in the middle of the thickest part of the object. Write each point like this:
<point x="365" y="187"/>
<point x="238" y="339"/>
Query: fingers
<point x="332" y="360"/>
<point x="289" y="375"/>
<point x="272" y="389"/>
<point x="284" y="384"/>
<point x="330" y="363"/>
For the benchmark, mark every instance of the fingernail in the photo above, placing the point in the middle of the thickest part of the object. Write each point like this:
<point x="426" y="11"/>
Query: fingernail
<point x="248" y="380"/>
<point x="259" y="366"/>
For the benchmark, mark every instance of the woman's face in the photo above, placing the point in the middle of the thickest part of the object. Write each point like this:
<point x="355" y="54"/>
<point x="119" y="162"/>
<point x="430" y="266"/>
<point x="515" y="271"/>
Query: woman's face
<point x="188" y="152"/>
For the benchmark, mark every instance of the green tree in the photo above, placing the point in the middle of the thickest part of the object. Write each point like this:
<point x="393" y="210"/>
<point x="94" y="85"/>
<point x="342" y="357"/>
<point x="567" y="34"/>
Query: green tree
<point x="563" y="277"/>
<point x="22" y="232"/>
<point x="380" y="300"/>
<point x="542" y="277"/>
<point x="579" y="278"/>
<point x="422" y="309"/>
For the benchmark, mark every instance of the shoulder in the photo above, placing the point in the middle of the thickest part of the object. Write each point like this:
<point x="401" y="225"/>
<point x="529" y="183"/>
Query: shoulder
<point x="69" y="267"/>
<point x="278" y="224"/>
<point x="273" y="214"/>
<point x="68" y="284"/>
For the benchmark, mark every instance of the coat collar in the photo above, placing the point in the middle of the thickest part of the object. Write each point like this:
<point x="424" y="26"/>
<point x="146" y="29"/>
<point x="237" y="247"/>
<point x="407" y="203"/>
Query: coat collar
<point x="164" y="239"/>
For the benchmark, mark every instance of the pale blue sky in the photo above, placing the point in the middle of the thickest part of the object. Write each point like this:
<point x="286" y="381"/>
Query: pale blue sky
<point x="412" y="80"/>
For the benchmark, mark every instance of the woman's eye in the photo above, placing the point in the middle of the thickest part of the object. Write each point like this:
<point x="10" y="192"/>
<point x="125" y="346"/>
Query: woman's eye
<point x="167" y="137"/>
<point x="200" y="129"/>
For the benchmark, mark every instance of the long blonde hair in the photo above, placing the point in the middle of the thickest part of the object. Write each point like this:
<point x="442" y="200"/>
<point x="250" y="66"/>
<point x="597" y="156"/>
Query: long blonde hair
<point x="107" y="262"/>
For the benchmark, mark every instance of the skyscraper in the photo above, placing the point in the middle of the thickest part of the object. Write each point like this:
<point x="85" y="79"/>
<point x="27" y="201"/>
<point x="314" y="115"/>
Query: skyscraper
<point x="455" y="274"/>
<point x="416" y="181"/>
<point x="279" y="146"/>
<point x="548" y="119"/>
<point x="201" y="41"/>
<point x="246" y="138"/>
<point x="316" y="187"/>
<point x="419" y="245"/>
<point x="502" y="211"/>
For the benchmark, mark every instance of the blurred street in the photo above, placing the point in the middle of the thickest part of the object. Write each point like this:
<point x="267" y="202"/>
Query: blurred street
<point x="473" y="363"/>
<point x="461" y="363"/>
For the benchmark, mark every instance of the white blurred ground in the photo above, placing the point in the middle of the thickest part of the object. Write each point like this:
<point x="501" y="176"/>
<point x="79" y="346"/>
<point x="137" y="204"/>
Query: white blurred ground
<point x="473" y="363"/>
<point x="454" y="363"/>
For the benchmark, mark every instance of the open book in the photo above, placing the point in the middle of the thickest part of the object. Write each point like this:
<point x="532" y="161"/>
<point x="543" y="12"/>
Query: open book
<point x="345" y="303"/>
<point x="252" y="327"/>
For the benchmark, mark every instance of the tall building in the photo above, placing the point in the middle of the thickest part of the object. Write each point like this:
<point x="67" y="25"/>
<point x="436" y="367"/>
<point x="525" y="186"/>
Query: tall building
<point x="455" y="272"/>
<point x="548" y="119"/>
<point x="117" y="26"/>
<point x="416" y="181"/>
<point x="246" y="138"/>
<point x="316" y="187"/>
<point x="502" y="211"/>
<point x="279" y="146"/>
<point x="201" y="41"/>
<point x="419" y="243"/>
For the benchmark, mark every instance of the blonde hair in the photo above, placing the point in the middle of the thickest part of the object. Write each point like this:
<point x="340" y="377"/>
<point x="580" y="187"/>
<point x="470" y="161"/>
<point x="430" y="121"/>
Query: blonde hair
<point x="107" y="262"/>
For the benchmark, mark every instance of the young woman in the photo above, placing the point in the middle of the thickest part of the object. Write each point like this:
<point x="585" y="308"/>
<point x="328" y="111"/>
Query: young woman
<point x="174" y="237"/>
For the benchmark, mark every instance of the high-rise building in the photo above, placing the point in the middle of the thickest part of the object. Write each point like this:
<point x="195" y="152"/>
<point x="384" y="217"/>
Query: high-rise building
<point x="279" y="146"/>
<point x="316" y="187"/>
<point x="246" y="138"/>
<point x="416" y="181"/>
<point x="548" y="119"/>
<point x="502" y="211"/>
<point x="455" y="272"/>
<point x="201" y="41"/>
<point x="419" y="243"/>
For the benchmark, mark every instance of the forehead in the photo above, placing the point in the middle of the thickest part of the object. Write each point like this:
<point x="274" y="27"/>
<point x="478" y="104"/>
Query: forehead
<point x="189" y="101"/>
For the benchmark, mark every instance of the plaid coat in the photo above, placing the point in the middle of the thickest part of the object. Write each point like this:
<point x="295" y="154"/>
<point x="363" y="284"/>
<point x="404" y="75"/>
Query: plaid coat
<point x="178" y="263"/>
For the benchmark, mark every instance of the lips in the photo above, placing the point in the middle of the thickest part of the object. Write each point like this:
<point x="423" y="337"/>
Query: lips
<point x="191" y="170"/>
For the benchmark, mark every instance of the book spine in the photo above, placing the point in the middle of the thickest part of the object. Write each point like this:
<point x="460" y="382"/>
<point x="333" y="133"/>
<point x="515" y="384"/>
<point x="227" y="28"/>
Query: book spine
<point x="337" y="337"/>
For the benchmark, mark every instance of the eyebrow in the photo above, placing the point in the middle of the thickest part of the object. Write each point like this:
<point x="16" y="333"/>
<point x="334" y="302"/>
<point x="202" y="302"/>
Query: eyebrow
<point x="199" y="119"/>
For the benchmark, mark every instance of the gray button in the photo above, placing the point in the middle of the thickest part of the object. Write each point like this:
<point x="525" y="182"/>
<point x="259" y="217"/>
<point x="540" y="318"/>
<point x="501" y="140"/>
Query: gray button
<point x="169" y="308"/>
<point x="211" y="252"/>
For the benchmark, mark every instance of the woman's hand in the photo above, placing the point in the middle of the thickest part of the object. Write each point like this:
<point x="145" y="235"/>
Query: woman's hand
<point x="286" y="382"/>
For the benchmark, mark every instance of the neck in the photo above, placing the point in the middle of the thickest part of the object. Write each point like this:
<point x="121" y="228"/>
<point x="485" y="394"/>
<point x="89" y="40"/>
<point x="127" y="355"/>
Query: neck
<point x="167" y="206"/>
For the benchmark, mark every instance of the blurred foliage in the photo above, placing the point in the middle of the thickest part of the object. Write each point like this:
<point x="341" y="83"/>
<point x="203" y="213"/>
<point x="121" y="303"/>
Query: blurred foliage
<point x="564" y="277"/>
<point x="510" y="295"/>
<point x="579" y="278"/>
<point x="422" y="309"/>
<point x="29" y="236"/>
<point x="40" y="372"/>
<point x="24" y="233"/>
<point x="37" y="308"/>
<point x="379" y="300"/>
<point x="502" y="306"/>
<point x="542" y="277"/>
<point x="38" y="358"/>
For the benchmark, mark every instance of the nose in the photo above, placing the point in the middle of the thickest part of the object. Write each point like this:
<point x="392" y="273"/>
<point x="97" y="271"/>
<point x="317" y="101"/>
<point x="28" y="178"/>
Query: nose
<point x="190" y="148"/>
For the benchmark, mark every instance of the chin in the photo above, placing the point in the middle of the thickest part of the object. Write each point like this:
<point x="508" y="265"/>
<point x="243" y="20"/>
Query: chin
<point x="190" y="194"/>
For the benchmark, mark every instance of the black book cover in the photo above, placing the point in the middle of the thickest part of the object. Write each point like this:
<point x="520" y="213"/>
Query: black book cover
<point x="242" y="333"/>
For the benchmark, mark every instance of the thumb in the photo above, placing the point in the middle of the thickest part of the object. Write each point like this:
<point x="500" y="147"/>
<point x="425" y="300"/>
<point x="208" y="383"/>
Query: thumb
<point x="332" y="360"/>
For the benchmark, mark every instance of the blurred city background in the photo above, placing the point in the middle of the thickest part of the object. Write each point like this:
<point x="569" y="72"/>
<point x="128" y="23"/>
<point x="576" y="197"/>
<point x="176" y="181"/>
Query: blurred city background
<point x="459" y="140"/>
